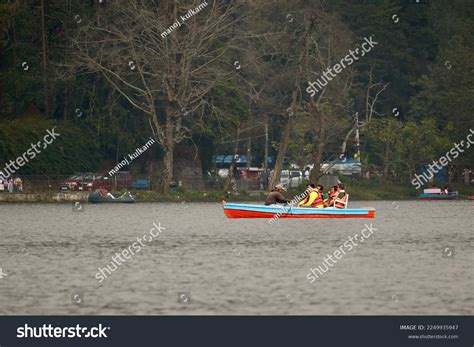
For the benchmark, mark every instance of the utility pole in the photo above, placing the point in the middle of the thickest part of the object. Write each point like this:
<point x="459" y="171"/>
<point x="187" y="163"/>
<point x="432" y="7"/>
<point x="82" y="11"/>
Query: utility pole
<point x="357" y="138"/>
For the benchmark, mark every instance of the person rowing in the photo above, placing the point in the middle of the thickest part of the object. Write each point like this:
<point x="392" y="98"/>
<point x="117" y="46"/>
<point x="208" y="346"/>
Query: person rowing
<point x="276" y="196"/>
<point x="314" y="198"/>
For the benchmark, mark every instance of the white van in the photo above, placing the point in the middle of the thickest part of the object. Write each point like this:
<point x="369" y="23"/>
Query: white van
<point x="290" y="178"/>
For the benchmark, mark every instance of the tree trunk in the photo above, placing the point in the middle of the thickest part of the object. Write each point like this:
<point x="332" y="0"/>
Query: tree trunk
<point x="168" y="147"/>
<point x="230" y="174"/>
<point x="316" y="172"/>
<point x="281" y="153"/>
<point x="318" y="153"/>
<point x="45" y="81"/>
<point x="168" y="167"/>
<point x="66" y="101"/>
<point x="289" y="125"/>
<point x="15" y="63"/>
<point x="249" y="152"/>
<point x="317" y="158"/>
<point x="386" y="164"/>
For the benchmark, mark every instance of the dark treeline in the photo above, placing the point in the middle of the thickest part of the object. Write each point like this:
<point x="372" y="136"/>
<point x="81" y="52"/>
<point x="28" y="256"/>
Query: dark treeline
<point x="103" y="74"/>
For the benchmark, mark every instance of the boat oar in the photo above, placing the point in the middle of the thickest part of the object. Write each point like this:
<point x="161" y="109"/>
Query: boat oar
<point x="467" y="197"/>
<point x="288" y="204"/>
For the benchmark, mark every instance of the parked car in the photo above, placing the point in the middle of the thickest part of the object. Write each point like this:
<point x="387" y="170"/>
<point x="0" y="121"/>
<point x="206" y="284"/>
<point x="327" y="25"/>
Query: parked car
<point x="346" y="167"/>
<point x="93" y="181"/>
<point x="73" y="182"/>
<point x="88" y="181"/>
<point x="85" y="181"/>
<point x="290" y="178"/>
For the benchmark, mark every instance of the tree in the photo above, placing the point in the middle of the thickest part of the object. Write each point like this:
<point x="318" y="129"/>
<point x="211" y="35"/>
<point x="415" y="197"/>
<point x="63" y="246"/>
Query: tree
<point x="165" y="78"/>
<point x="387" y="133"/>
<point x="285" y="139"/>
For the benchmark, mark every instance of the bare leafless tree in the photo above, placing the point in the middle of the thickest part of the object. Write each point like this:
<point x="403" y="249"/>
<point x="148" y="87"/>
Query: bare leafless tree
<point x="165" y="77"/>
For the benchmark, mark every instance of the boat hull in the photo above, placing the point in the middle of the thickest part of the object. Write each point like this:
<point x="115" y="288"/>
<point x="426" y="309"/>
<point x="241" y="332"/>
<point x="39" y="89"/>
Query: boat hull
<point x="96" y="197"/>
<point x="452" y="196"/>
<point x="280" y="211"/>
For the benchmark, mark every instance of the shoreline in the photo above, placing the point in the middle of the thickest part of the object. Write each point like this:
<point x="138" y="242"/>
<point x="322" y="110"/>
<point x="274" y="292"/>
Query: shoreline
<point x="204" y="196"/>
<point x="365" y="191"/>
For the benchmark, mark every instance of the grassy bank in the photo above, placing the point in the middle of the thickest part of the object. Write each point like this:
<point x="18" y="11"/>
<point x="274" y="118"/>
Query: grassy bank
<point x="358" y="190"/>
<point x="193" y="196"/>
<point x="369" y="190"/>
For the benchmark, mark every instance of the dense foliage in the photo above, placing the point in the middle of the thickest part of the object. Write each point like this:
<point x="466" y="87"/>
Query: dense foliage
<point x="108" y="84"/>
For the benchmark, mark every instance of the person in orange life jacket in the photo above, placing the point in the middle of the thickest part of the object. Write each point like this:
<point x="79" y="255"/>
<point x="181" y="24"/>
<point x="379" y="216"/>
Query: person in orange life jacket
<point x="332" y="195"/>
<point x="341" y="195"/>
<point x="314" y="199"/>
<point x="319" y="203"/>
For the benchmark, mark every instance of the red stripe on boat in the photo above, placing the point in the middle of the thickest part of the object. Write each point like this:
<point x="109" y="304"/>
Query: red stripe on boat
<point x="232" y="213"/>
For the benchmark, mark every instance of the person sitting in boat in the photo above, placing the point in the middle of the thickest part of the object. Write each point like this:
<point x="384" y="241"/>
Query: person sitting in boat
<point x="332" y="196"/>
<point x="314" y="198"/>
<point x="446" y="190"/>
<point x="309" y="188"/>
<point x="104" y="192"/>
<point x="275" y="195"/>
<point x="341" y="198"/>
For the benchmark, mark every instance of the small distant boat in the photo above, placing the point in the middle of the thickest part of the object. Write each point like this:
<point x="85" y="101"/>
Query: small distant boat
<point x="437" y="194"/>
<point x="96" y="197"/>
<point x="281" y="211"/>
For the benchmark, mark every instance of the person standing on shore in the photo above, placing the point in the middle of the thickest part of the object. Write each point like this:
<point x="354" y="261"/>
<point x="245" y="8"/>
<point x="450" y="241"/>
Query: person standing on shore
<point x="17" y="185"/>
<point x="10" y="185"/>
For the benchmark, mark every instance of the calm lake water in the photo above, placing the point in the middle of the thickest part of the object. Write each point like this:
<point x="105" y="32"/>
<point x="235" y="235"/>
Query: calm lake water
<point x="418" y="261"/>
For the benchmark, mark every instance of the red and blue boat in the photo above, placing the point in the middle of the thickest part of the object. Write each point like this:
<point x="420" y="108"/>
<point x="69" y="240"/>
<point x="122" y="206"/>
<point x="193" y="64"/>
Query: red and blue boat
<point x="438" y="194"/>
<point x="285" y="211"/>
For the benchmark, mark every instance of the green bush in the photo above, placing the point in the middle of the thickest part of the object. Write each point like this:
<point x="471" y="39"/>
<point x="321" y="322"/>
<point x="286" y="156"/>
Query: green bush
<point x="72" y="151"/>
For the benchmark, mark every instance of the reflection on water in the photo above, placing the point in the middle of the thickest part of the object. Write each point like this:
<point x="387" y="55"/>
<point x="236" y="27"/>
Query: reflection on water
<point x="420" y="261"/>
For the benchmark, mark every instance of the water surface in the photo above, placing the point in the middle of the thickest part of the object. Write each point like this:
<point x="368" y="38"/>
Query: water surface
<point x="51" y="253"/>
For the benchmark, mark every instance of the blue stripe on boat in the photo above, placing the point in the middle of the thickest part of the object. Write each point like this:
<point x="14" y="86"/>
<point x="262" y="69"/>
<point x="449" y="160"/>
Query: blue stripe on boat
<point x="295" y="210"/>
<point x="438" y="196"/>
